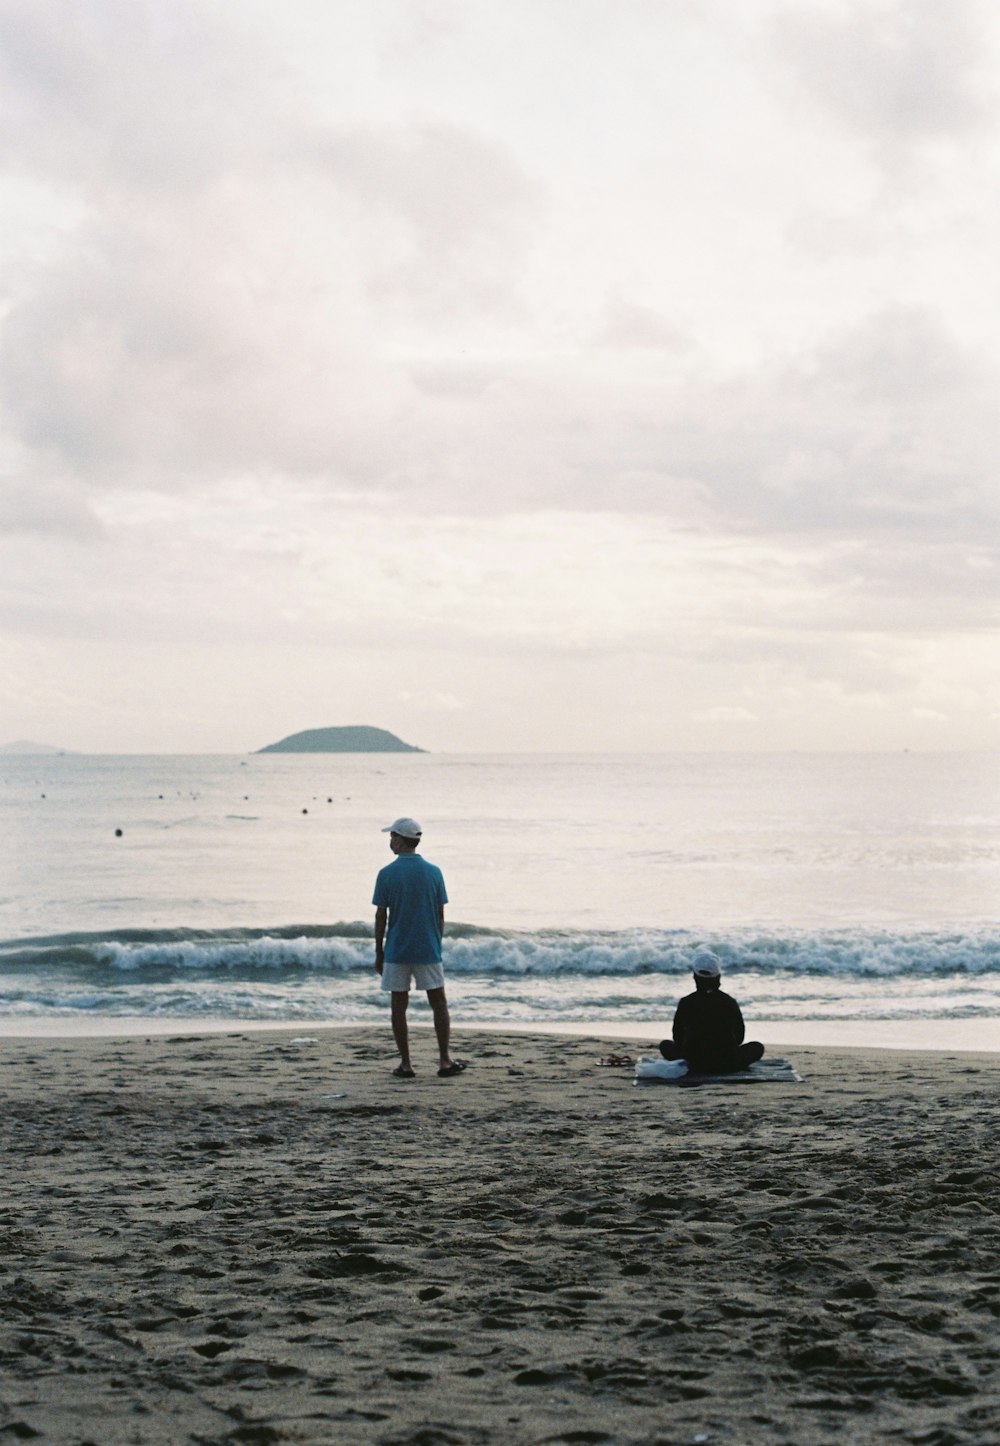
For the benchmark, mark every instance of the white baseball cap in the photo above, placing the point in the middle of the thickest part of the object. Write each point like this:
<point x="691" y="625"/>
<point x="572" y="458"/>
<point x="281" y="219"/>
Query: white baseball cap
<point x="405" y="827"/>
<point x="707" y="965"/>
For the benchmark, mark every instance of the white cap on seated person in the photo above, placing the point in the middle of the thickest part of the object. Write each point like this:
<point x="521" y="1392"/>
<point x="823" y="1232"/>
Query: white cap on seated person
<point x="707" y="965"/>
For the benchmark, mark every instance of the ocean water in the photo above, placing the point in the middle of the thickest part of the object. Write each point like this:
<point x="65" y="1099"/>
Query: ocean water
<point x="851" y="897"/>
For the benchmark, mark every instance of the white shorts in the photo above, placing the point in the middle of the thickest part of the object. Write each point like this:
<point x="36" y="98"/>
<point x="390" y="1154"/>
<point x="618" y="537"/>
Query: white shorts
<point x="396" y="977"/>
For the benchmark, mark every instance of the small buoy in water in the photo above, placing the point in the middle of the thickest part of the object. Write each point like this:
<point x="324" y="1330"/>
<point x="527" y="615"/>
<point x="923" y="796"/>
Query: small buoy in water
<point x="329" y="800"/>
<point x="305" y="810"/>
<point x="118" y="833"/>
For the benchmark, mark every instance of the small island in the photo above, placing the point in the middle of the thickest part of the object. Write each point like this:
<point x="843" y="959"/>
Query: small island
<point x="341" y="740"/>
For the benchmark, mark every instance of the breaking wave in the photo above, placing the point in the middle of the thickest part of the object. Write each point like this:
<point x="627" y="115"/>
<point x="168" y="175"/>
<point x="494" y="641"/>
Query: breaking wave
<point x="344" y="949"/>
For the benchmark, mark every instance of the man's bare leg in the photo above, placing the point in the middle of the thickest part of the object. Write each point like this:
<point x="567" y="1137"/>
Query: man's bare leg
<point x="400" y="1032"/>
<point x="442" y="1023"/>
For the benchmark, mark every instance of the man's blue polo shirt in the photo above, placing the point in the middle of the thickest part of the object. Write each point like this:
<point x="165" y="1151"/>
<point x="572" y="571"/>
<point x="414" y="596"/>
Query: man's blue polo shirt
<point x="413" y="892"/>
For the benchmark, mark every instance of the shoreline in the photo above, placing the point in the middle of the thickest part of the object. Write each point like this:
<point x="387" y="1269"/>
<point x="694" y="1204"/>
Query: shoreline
<point x="978" y="1036"/>
<point x="260" y="1236"/>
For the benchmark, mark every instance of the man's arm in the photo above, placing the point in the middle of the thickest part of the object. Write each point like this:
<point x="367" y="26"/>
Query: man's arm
<point x="442" y="899"/>
<point x="381" y="916"/>
<point x="678" y="1030"/>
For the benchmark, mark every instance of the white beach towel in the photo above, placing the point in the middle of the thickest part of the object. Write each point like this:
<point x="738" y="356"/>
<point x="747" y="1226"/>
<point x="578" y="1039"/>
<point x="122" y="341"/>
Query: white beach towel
<point x="675" y="1071"/>
<point x="663" y="1070"/>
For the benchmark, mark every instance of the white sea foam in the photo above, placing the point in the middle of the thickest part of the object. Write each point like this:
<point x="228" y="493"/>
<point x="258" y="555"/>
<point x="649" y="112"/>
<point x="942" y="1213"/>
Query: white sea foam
<point x="347" y="949"/>
<point x="547" y="976"/>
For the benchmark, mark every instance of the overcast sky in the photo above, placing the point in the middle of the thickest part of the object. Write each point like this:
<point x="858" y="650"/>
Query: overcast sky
<point x="554" y="374"/>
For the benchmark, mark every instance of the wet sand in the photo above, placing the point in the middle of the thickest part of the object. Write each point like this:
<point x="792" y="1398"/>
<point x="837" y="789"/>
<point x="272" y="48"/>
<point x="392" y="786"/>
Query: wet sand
<point x="257" y="1238"/>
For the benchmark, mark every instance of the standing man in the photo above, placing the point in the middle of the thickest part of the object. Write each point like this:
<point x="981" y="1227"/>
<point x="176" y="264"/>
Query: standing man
<point x="409" y="898"/>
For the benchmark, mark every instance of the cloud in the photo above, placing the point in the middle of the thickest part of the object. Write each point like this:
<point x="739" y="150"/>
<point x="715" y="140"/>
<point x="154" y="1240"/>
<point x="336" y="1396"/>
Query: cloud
<point x="130" y="94"/>
<point x="899" y="73"/>
<point x="421" y="25"/>
<point x="483" y="345"/>
<point x="266" y="564"/>
<point x="459" y="205"/>
<point x="629" y="325"/>
<point x="726" y="713"/>
<point x="432" y="702"/>
<point x="150" y="363"/>
<point x="46" y="508"/>
<point x="225" y="290"/>
<point x="357" y="305"/>
<point x="888" y="427"/>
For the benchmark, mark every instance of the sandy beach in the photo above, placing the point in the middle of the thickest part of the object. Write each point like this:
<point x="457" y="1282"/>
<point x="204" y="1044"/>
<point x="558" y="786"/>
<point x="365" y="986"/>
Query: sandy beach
<point x="265" y="1237"/>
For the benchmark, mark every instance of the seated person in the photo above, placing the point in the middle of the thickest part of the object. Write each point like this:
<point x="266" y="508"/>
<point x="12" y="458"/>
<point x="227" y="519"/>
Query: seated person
<point x="708" y="1026"/>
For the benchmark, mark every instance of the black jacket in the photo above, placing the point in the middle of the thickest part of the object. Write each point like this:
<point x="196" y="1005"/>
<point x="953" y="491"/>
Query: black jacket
<point x="708" y="1027"/>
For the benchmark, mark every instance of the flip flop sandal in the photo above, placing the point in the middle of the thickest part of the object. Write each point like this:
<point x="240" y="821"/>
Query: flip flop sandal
<point x="401" y="1072"/>
<point x="456" y="1067"/>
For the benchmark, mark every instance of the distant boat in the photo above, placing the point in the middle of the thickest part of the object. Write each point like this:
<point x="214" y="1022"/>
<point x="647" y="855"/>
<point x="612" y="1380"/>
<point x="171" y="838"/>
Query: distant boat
<point x="341" y="740"/>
